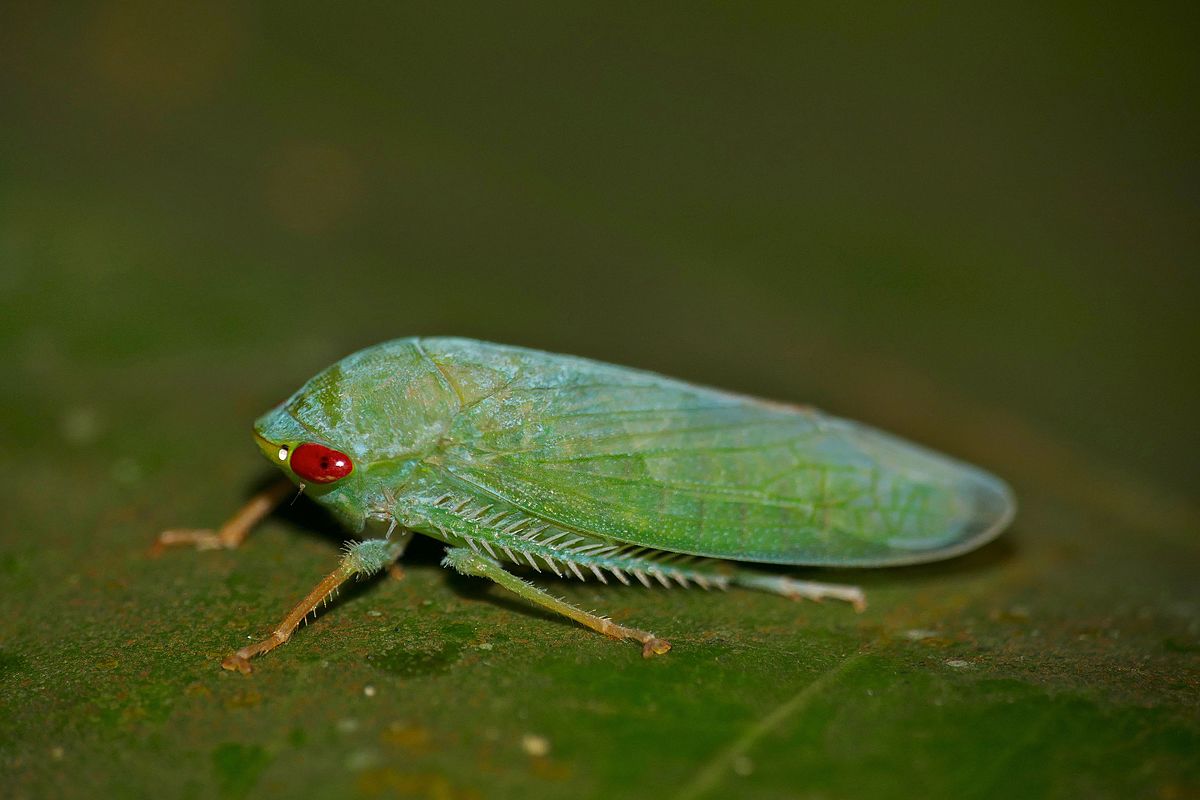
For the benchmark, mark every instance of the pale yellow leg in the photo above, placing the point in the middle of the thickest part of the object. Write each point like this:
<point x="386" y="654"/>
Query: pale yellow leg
<point x="233" y="532"/>
<point x="801" y="590"/>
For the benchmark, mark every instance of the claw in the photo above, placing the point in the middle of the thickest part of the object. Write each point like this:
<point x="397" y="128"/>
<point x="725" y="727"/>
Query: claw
<point x="237" y="662"/>
<point x="655" y="647"/>
<point x="202" y="539"/>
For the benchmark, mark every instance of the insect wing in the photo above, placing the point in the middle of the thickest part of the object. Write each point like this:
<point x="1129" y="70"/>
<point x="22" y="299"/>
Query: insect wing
<point x="649" y="461"/>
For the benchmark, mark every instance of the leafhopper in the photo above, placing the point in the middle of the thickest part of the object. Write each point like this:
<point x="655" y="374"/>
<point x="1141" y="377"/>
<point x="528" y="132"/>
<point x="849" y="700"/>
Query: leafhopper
<point x="589" y="471"/>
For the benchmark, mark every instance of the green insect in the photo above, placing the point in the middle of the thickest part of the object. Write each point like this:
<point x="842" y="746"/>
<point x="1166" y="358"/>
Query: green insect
<point x="592" y="471"/>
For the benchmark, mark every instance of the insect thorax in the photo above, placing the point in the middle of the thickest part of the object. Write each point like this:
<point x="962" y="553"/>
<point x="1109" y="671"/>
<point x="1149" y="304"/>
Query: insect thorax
<point x="383" y="403"/>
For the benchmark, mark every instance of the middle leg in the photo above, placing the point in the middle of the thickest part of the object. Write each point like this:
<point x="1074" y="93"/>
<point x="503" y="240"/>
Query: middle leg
<point x="469" y="562"/>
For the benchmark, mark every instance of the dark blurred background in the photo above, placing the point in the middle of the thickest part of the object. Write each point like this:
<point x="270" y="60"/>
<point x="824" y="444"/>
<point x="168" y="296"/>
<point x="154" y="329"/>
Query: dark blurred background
<point x="780" y="198"/>
<point x="973" y="224"/>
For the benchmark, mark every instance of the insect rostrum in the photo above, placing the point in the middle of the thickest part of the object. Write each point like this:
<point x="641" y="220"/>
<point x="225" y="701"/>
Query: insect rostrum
<point x="597" y="472"/>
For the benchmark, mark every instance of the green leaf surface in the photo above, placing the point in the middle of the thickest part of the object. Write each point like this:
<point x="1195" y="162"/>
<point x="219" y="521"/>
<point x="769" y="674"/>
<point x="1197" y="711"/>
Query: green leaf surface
<point x="972" y="228"/>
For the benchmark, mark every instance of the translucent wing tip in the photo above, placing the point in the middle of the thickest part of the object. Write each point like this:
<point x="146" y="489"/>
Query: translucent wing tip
<point x="995" y="507"/>
<point x="988" y="506"/>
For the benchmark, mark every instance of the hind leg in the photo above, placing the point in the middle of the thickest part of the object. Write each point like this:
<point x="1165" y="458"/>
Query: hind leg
<point x="800" y="590"/>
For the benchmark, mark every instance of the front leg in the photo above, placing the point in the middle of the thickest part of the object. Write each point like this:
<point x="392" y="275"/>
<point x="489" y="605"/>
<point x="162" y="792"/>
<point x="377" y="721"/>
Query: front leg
<point x="233" y="532"/>
<point x="363" y="558"/>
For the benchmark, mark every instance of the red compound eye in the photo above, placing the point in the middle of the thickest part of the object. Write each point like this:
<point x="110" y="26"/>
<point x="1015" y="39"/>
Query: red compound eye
<point x="320" y="464"/>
